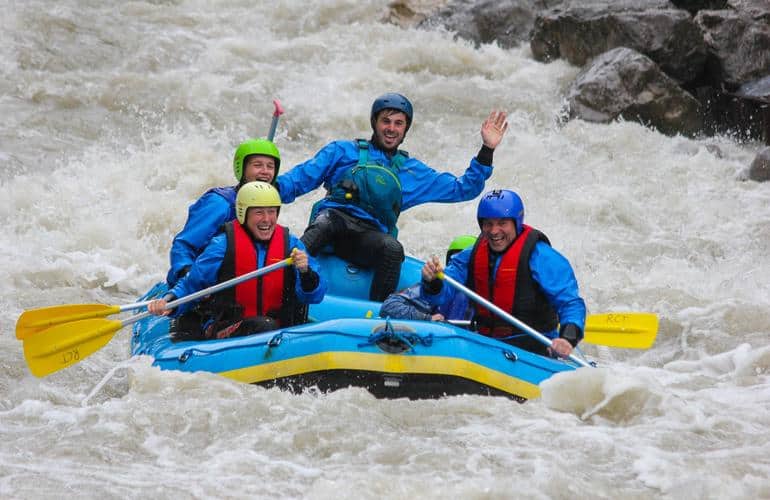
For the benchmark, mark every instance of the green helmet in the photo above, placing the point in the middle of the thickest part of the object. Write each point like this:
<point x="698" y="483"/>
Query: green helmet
<point x="254" y="147"/>
<point x="458" y="245"/>
<point x="255" y="194"/>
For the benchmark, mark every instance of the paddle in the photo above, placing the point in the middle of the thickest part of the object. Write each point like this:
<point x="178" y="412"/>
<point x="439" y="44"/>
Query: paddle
<point x="36" y="320"/>
<point x="629" y="330"/>
<point x="65" y="344"/>
<point x="278" y="112"/>
<point x="509" y="318"/>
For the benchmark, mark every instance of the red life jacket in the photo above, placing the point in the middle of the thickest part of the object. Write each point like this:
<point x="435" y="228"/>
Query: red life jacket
<point x="263" y="294"/>
<point x="269" y="295"/>
<point x="511" y="288"/>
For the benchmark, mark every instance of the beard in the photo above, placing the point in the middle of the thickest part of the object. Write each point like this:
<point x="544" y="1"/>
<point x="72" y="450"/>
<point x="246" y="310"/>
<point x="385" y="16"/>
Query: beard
<point x="377" y="142"/>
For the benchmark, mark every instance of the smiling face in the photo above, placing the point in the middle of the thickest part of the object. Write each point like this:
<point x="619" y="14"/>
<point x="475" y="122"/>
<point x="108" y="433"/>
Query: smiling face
<point x="499" y="232"/>
<point x="261" y="221"/>
<point x="259" y="168"/>
<point x="390" y="129"/>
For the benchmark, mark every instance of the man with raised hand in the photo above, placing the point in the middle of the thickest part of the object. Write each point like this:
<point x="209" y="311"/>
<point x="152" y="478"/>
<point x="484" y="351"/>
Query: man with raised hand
<point x="369" y="183"/>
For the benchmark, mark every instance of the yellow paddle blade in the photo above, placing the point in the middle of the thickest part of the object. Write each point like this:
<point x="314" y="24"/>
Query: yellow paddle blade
<point x="65" y="344"/>
<point x="36" y="320"/>
<point x="631" y="330"/>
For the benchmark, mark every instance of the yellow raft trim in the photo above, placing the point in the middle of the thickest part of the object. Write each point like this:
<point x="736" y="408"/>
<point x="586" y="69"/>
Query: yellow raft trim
<point x="385" y="363"/>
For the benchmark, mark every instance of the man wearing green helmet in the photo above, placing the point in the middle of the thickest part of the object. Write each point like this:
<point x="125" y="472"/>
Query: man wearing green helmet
<point x="252" y="241"/>
<point x="370" y="182"/>
<point x="407" y="303"/>
<point x="254" y="160"/>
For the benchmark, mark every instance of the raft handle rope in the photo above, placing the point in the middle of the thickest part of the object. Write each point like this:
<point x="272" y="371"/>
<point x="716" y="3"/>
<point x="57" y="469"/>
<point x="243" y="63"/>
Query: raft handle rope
<point x="275" y="341"/>
<point x="410" y="339"/>
<point x="510" y="356"/>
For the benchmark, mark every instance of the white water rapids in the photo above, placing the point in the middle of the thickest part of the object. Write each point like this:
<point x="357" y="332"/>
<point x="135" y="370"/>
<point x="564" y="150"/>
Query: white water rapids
<point x="117" y="115"/>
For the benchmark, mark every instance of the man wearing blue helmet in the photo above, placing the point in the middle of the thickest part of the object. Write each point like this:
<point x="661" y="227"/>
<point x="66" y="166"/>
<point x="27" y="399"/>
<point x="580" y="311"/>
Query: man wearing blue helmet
<point x="369" y="183"/>
<point x="513" y="266"/>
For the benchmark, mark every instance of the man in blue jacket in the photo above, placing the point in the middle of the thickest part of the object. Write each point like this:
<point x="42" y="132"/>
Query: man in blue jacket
<point x="253" y="240"/>
<point x="369" y="183"/>
<point x="407" y="303"/>
<point x="254" y="160"/>
<point x="513" y="266"/>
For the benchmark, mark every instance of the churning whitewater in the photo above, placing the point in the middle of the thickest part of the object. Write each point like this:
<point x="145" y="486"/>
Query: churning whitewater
<point x="117" y="116"/>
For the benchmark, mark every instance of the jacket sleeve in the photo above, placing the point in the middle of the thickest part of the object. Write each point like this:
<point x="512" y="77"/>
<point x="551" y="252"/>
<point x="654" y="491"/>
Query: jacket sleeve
<point x="317" y="294"/>
<point x="203" y="273"/>
<point x="457" y="269"/>
<point x="422" y="184"/>
<point x="203" y="221"/>
<point x="406" y="304"/>
<point x="457" y="308"/>
<point x="307" y="176"/>
<point x="553" y="272"/>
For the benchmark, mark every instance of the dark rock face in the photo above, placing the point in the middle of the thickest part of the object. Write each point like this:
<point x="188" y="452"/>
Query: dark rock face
<point x="760" y="167"/>
<point x="724" y="113"/>
<point x="715" y="51"/>
<point x="409" y="13"/>
<point x="693" y="6"/>
<point x="624" y="83"/>
<point x="739" y="46"/>
<point x="758" y="90"/>
<point x="667" y="36"/>
<point x="507" y="22"/>
<point x="756" y="9"/>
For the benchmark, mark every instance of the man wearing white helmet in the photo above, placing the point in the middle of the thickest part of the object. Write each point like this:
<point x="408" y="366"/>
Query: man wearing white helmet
<point x="253" y="240"/>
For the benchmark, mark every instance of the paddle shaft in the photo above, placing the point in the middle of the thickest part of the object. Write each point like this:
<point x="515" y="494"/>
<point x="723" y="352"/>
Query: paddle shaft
<point x="274" y="124"/>
<point x="135" y="305"/>
<point x="213" y="289"/>
<point x="511" y="319"/>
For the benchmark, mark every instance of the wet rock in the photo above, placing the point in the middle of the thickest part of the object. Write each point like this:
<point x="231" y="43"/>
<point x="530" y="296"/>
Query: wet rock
<point x="713" y="49"/>
<point x="693" y="6"/>
<point x="507" y="22"/>
<point x="409" y="13"/>
<point x="725" y="113"/>
<point x="715" y="150"/>
<point x="579" y="31"/>
<point x="760" y="167"/>
<point x="624" y="83"/>
<point x="738" y="43"/>
<point x="756" y="9"/>
<point x="758" y="90"/>
<point x="756" y="94"/>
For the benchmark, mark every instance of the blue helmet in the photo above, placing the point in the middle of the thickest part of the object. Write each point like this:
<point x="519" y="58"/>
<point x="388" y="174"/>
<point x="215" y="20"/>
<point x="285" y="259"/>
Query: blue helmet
<point x="501" y="204"/>
<point x="392" y="101"/>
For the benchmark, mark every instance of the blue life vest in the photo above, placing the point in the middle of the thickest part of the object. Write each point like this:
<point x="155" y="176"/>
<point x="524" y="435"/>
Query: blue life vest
<point x="229" y="193"/>
<point x="372" y="186"/>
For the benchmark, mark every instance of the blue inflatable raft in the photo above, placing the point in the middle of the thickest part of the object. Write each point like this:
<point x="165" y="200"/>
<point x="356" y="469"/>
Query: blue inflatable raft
<point x="346" y="344"/>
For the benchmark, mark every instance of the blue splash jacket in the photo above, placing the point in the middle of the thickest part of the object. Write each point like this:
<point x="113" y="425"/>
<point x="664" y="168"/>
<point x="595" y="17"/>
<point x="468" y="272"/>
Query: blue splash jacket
<point x="419" y="182"/>
<point x="205" y="270"/>
<point x="550" y="270"/>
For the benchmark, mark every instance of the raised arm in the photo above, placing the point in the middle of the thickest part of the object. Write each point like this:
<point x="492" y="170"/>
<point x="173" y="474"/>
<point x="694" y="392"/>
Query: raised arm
<point x="493" y="129"/>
